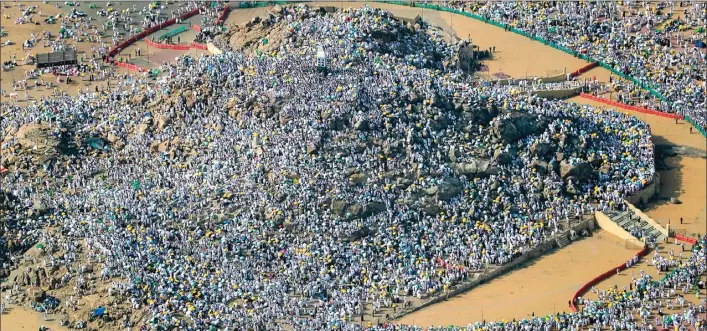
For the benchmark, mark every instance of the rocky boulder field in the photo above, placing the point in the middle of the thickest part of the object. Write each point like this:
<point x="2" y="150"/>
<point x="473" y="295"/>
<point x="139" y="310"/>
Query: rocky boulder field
<point x="253" y="186"/>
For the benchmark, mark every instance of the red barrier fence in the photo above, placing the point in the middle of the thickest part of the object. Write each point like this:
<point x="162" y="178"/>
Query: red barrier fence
<point x="634" y="108"/>
<point x="179" y="47"/>
<point x="130" y="66"/>
<point x="222" y="17"/>
<point x="148" y="31"/>
<point x="686" y="239"/>
<point x="600" y="278"/>
<point x="196" y="27"/>
<point x="584" y="69"/>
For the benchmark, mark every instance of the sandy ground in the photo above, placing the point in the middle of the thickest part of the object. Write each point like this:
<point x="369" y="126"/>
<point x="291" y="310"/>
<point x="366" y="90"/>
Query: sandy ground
<point x="684" y="181"/>
<point x="17" y="33"/>
<point x="15" y="318"/>
<point x="538" y="286"/>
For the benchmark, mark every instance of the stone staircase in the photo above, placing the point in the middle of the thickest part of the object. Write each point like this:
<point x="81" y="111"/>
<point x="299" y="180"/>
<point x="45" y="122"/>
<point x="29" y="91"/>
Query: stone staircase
<point x="636" y="225"/>
<point x="562" y="241"/>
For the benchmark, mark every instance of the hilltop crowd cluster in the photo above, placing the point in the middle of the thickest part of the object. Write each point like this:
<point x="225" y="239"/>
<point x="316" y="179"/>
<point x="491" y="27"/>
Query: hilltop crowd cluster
<point x="255" y="191"/>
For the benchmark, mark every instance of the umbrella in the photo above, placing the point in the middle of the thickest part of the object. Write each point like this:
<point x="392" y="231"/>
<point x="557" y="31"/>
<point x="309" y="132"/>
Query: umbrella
<point x="98" y="312"/>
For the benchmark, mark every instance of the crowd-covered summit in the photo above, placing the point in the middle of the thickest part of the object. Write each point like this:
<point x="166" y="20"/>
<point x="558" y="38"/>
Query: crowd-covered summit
<point x="256" y="190"/>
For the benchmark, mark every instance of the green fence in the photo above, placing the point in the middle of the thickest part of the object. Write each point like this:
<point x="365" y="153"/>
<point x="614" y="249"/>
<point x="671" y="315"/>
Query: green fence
<point x="615" y="71"/>
<point x="699" y="128"/>
<point x="257" y="4"/>
<point x="173" y="32"/>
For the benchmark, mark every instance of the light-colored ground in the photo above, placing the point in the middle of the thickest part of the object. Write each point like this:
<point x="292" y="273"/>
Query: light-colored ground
<point x="540" y="286"/>
<point x="18" y="33"/>
<point x="515" y="55"/>
<point x="685" y="181"/>
<point x="543" y="286"/>
<point x="15" y="318"/>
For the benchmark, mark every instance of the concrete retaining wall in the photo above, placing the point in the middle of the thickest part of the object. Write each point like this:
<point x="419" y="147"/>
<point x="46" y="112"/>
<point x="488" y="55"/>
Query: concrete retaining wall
<point x="587" y="224"/>
<point x="605" y="222"/>
<point x="558" y="94"/>
<point x="645" y="217"/>
<point x="515" y="81"/>
<point x="645" y="194"/>
<point x="213" y="49"/>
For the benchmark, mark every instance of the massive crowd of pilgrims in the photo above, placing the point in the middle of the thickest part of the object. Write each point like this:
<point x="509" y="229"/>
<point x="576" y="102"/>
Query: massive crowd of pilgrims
<point x="661" y="44"/>
<point x="256" y="191"/>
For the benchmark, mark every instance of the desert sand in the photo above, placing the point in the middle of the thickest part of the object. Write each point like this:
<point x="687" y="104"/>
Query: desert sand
<point x="15" y="318"/>
<point x="539" y="286"/>
<point x="544" y="285"/>
<point x="685" y="180"/>
<point x="17" y="33"/>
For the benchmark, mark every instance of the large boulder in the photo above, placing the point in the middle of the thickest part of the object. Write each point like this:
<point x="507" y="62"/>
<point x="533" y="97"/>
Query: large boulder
<point x="34" y="278"/>
<point x="112" y="138"/>
<point x="542" y="167"/>
<point x="86" y="268"/>
<point x="373" y="208"/>
<point x="478" y="114"/>
<point x="475" y="168"/>
<point x="581" y="171"/>
<point x="571" y="188"/>
<point x="430" y="206"/>
<point x="163" y="146"/>
<point x="518" y="126"/>
<point x="142" y="128"/>
<point x="37" y="137"/>
<point x="358" y="234"/>
<point x="277" y="9"/>
<point x="541" y="149"/>
<point x="36" y="294"/>
<point x="359" y="178"/>
<point x="353" y="211"/>
<point x="503" y="158"/>
<point x="338" y="206"/>
<point x="162" y="121"/>
<point x="39" y="208"/>
<point x="449" y="188"/>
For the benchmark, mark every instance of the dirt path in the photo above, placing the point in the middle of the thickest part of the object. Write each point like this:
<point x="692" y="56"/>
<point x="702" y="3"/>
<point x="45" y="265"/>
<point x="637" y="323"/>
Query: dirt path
<point x="539" y="286"/>
<point x="685" y="180"/>
<point x="515" y="55"/>
<point x="15" y="318"/>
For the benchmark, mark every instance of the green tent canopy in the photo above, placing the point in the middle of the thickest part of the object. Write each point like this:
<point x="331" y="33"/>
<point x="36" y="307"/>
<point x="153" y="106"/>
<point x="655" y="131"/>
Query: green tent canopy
<point x="98" y="143"/>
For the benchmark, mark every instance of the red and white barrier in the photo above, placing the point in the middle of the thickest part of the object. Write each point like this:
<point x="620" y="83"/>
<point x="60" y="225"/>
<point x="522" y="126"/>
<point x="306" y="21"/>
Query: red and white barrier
<point x="686" y="239"/>
<point x="129" y="66"/>
<point x="634" y="108"/>
<point x="600" y="278"/>
<point x="584" y="69"/>
<point x="147" y="32"/>
<point x="179" y="47"/>
<point x="222" y="17"/>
